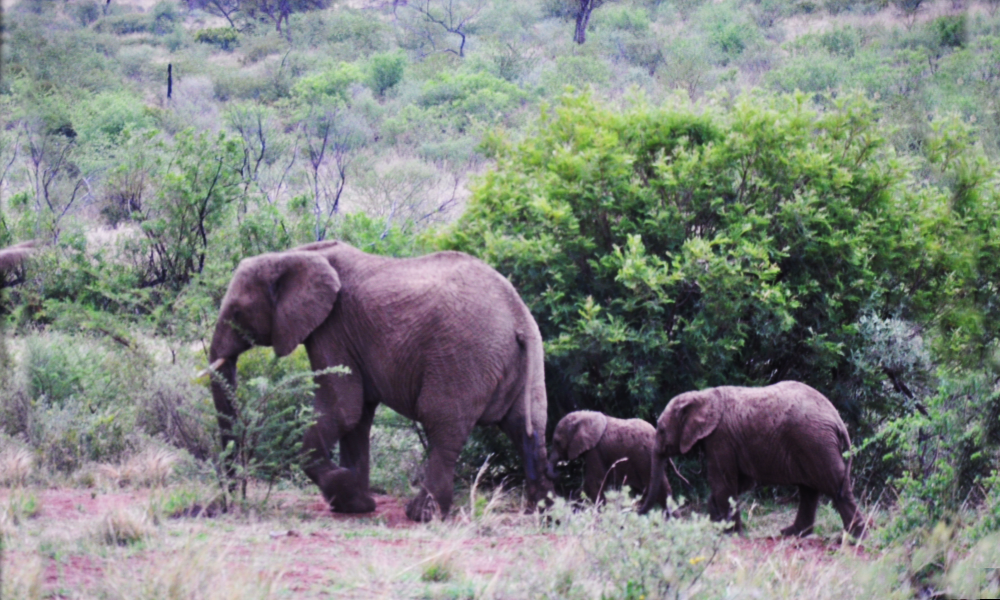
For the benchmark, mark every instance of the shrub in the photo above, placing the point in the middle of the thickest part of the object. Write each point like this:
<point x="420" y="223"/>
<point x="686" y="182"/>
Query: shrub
<point x="333" y="83"/>
<point x="662" y="250"/>
<point x="85" y="12"/>
<point x="951" y="30"/>
<point x="270" y="418"/>
<point x="631" y="556"/>
<point x="166" y="17"/>
<point x="223" y="37"/>
<point x="125" y="24"/>
<point x="385" y="71"/>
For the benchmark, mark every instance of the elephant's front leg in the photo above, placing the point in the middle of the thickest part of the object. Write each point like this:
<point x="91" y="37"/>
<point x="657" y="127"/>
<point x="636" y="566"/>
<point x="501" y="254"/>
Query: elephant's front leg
<point x="355" y="448"/>
<point x="341" y="415"/>
<point x="342" y="487"/>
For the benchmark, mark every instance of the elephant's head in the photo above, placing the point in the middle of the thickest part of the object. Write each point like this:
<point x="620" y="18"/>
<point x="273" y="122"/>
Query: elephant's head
<point x="687" y="419"/>
<point x="274" y="299"/>
<point x="575" y="434"/>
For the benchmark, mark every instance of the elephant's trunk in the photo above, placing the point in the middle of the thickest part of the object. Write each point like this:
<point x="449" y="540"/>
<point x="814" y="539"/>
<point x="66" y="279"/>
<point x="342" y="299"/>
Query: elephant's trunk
<point x="658" y="488"/>
<point x="223" y="354"/>
<point x="550" y="469"/>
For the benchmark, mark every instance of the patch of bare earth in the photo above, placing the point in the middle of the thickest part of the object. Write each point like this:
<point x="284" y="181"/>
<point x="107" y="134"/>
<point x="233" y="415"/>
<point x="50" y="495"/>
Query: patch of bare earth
<point x="298" y="546"/>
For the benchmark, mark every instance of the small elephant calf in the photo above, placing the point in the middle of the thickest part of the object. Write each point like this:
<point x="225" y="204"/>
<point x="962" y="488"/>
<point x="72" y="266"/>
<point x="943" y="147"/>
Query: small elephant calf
<point x="783" y="434"/>
<point x="615" y="451"/>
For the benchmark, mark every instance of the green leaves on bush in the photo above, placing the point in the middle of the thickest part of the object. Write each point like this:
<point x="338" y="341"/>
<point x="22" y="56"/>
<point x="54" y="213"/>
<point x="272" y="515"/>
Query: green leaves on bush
<point x="223" y="37"/>
<point x="662" y="250"/>
<point x="385" y="71"/>
<point x="271" y="417"/>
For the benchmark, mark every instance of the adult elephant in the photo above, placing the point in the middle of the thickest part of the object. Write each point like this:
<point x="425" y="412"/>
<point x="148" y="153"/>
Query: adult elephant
<point x="12" y="256"/>
<point x="615" y="451"/>
<point x="783" y="434"/>
<point x="442" y="339"/>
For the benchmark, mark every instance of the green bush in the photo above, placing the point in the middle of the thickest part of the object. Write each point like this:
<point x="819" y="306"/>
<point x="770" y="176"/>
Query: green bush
<point x="633" y="557"/>
<point x="271" y="418"/>
<point x="385" y="71"/>
<point x="951" y="30"/>
<point x="125" y="24"/>
<point x="166" y="16"/>
<point x="85" y="12"/>
<point x="225" y="38"/>
<point x="332" y="83"/>
<point x="663" y="250"/>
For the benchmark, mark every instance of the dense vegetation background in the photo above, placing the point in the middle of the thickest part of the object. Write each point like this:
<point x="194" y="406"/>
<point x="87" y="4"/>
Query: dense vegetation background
<point x="729" y="193"/>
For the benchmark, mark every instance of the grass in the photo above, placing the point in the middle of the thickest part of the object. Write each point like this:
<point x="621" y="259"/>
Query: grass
<point x="135" y="543"/>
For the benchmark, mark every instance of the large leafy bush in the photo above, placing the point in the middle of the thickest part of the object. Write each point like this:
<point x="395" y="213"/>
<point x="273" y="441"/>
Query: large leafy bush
<point x="663" y="249"/>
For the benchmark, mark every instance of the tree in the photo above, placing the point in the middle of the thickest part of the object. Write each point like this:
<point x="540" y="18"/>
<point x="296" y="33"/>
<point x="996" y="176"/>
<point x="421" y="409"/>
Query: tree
<point x="454" y="16"/>
<point x="331" y="134"/>
<point x="582" y="17"/>
<point x="195" y="189"/>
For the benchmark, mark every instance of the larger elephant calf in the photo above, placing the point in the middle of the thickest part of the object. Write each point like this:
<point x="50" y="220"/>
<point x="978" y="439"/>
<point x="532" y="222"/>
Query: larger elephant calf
<point x="442" y="339"/>
<point x="783" y="434"/>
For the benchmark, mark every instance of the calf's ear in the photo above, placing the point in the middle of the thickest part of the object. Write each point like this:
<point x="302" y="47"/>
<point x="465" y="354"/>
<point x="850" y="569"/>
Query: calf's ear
<point x="588" y="429"/>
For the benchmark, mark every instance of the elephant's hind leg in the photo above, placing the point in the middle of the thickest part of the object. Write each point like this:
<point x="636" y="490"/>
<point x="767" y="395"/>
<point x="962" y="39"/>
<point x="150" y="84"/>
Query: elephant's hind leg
<point x="854" y="520"/>
<point x="438" y="488"/>
<point x="445" y="439"/>
<point x="804" y="519"/>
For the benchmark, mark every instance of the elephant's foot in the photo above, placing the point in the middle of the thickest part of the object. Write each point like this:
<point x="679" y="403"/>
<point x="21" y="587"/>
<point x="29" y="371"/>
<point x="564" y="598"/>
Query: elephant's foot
<point x="795" y="530"/>
<point x="353" y="504"/>
<point x="422" y="508"/>
<point x="340" y="489"/>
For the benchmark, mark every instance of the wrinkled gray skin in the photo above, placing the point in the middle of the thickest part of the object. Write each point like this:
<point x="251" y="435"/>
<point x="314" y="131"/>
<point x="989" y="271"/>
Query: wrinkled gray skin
<point x="442" y="339"/>
<point x="615" y="452"/>
<point x="12" y="256"/>
<point x="784" y="434"/>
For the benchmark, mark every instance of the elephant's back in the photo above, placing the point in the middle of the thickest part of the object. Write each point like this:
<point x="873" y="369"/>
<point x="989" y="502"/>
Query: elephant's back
<point x="635" y="438"/>
<point x="795" y="433"/>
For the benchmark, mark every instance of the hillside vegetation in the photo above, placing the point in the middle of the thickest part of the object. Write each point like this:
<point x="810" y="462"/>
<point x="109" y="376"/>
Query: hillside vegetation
<point x="698" y="194"/>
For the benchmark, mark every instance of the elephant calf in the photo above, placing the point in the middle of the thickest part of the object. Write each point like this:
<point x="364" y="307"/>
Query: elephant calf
<point x="615" y="451"/>
<point x="783" y="434"/>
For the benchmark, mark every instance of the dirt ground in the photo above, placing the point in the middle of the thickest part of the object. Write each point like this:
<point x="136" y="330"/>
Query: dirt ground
<point x="296" y="548"/>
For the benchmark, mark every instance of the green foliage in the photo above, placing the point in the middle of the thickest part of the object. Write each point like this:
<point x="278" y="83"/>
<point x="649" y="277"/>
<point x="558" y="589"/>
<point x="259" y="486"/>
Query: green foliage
<point x="332" y="83"/>
<point x="662" y="251"/>
<point x="951" y="30"/>
<point x="385" y="70"/>
<point x="70" y="398"/>
<point x="270" y="418"/>
<point x="636" y="557"/>
<point x="946" y="451"/>
<point x="223" y="37"/>
<point x="125" y="24"/>
<point x="199" y="185"/>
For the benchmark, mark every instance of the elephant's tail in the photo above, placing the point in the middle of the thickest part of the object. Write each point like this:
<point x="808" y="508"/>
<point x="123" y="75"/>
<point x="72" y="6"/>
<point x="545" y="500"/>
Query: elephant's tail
<point x="530" y="341"/>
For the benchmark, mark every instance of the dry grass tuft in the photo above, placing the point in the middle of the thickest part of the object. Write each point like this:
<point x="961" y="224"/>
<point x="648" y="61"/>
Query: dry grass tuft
<point x="16" y="464"/>
<point x="23" y="577"/>
<point x="124" y="527"/>
<point x="150" y="468"/>
<point x="209" y="572"/>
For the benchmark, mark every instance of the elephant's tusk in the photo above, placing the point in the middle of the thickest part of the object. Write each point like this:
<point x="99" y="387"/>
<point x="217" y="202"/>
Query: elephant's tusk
<point x="215" y="366"/>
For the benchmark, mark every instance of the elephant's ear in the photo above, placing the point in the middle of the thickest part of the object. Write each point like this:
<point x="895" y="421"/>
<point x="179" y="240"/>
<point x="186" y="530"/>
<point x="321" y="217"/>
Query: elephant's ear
<point x="700" y="415"/>
<point x="588" y="429"/>
<point x="304" y="291"/>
